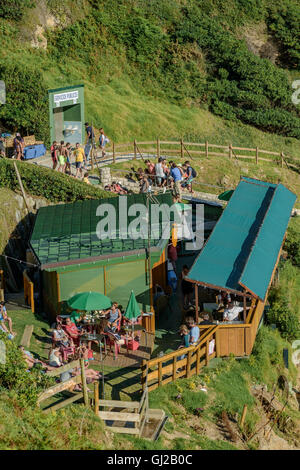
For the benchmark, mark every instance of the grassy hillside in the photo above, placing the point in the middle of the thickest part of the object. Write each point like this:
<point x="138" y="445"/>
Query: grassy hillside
<point x="166" y="68"/>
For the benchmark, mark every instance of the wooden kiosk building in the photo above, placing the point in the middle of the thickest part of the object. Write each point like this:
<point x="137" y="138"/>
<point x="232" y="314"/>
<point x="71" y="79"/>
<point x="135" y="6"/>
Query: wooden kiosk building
<point x="73" y="259"/>
<point x="241" y="255"/>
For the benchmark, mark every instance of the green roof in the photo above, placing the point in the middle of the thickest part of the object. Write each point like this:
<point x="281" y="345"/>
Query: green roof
<point x="243" y="249"/>
<point x="64" y="233"/>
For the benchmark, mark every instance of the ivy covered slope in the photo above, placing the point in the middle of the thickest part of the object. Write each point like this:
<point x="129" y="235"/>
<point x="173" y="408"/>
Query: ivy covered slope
<point x="165" y="66"/>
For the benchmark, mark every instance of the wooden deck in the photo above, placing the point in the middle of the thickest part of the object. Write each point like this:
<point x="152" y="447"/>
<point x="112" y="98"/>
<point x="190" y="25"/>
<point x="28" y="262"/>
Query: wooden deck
<point x="132" y="359"/>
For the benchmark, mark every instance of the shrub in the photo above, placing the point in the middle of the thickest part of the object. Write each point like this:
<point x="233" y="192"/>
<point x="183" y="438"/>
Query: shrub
<point x="26" y="107"/>
<point x="54" y="186"/>
<point x="292" y="246"/>
<point x="14" y="376"/>
<point x="14" y="9"/>
<point x="283" y="317"/>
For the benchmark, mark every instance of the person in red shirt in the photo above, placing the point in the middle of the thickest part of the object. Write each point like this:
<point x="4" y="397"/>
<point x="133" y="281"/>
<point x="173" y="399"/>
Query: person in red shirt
<point x="72" y="330"/>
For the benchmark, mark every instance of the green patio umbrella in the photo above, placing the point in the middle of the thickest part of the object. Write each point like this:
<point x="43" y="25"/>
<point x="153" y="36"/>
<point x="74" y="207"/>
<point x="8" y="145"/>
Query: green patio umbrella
<point x="226" y="195"/>
<point x="87" y="301"/>
<point x="133" y="310"/>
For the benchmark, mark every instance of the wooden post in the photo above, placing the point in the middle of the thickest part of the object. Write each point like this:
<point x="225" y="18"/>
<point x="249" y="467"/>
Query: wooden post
<point x="159" y="373"/>
<point x="207" y="352"/>
<point x="174" y="367"/>
<point x="230" y="150"/>
<point x="243" y="416"/>
<point x="188" y="364"/>
<point x="256" y="155"/>
<point x="144" y="374"/>
<point x="84" y="386"/>
<point x="21" y="187"/>
<point x="114" y="152"/>
<point x="196" y="304"/>
<point x="281" y="156"/>
<point x="181" y="149"/>
<point x="96" y="398"/>
<point x="198" y="361"/>
<point x="244" y="311"/>
<point x="206" y="149"/>
<point x="134" y="149"/>
<point x="158" y="148"/>
<point x="218" y="351"/>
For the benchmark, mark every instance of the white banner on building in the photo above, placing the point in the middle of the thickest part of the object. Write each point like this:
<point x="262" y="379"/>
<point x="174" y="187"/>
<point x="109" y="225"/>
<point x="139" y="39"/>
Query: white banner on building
<point x="70" y="96"/>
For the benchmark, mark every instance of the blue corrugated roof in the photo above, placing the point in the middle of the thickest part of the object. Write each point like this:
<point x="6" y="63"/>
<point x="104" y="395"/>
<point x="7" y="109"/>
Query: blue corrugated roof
<point x="244" y="246"/>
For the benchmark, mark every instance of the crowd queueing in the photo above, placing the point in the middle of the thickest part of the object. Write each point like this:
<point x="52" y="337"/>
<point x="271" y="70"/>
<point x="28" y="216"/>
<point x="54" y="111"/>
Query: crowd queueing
<point x="165" y="175"/>
<point x="161" y="175"/>
<point x="62" y="154"/>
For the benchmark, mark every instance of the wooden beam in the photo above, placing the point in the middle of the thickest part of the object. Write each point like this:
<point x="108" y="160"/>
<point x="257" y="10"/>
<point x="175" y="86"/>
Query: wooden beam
<point x="25" y="341"/>
<point x="84" y="385"/>
<point x="65" y="368"/>
<point x="197" y="303"/>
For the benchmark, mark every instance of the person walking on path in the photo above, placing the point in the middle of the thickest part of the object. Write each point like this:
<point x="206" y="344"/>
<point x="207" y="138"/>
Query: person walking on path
<point x="103" y="140"/>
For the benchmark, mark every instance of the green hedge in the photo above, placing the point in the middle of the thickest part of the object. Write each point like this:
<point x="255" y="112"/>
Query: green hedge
<point x="40" y="181"/>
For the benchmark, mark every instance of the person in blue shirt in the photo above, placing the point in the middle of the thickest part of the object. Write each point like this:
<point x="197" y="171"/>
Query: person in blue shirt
<point x="194" y="330"/>
<point x="176" y="174"/>
<point x="114" y="317"/>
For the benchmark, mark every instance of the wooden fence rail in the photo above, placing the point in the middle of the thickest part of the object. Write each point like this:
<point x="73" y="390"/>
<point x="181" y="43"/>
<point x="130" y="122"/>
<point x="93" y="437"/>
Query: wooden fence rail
<point x="184" y="362"/>
<point x="189" y="149"/>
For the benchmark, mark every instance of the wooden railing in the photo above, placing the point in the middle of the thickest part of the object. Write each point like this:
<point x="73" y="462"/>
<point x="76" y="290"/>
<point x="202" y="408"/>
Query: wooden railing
<point x="189" y="150"/>
<point x="28" y="291"/>
<point x="184" y="362"/>
<point x="67" y="385"/>
<point x="134" y="412"/>
<point x="215" y="341"/>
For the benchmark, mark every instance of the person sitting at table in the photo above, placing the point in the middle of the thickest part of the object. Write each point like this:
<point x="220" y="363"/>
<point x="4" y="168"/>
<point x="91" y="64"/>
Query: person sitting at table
<point x="76" y="316"/>
<point x="231" y="312"/>
<point x="72" y="330"/>
<point x="113" y="316"/>
<point x="55" y="357"/>
<point x="194" y="330"/>
<point x="59" y="336"/>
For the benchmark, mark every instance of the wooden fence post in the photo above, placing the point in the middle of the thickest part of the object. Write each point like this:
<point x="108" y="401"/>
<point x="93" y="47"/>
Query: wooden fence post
<point x="174" y="367"/>
<point x="206" y="149"/>
<point x="144" y="374"/>
<point x="217" y="337"/>
<point x="158" y="148"/>
<point x="159" y="373"/>
<point x="134" y="149"/>
<point x="84" y="386"/>
<point x="114" y="152"/>
<point x="281" y="156"/>
<point x="96" y="398"/>
<point x="207" y="353"/>
<point x="188" y="364"/>
<point x="181" y="149"/>
<point x="230" y="150"/>
<point x="243" y="416"/>
<point x="256" y="155"/>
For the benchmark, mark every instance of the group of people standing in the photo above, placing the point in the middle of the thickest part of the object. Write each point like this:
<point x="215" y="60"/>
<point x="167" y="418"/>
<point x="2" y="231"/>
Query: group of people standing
<point x="61" y="153"/>
<point x="166" y="174"/>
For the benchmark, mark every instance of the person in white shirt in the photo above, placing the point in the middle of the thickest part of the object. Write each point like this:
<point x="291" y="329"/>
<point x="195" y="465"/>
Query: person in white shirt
<point x="231" y="312"/>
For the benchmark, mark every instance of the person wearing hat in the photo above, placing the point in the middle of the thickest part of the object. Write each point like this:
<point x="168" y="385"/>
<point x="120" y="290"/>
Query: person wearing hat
<point x="176" y="174"/>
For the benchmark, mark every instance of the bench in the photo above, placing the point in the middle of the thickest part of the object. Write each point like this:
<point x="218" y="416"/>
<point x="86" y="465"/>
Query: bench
<point x="25" y="341"/>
